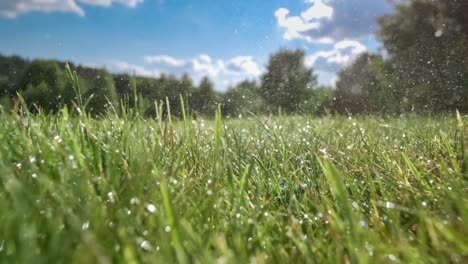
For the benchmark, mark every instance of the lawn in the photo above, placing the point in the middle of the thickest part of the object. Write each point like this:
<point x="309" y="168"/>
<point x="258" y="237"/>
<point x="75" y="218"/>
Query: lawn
<point x="274" y="190"/>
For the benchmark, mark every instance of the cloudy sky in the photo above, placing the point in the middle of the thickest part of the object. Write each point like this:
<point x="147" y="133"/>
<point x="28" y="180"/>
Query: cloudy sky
<point x="224" y="39"/>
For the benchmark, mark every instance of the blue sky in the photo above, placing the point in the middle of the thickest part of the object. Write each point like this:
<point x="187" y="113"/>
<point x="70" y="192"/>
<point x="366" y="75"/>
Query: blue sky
<point x="226" y="40"/>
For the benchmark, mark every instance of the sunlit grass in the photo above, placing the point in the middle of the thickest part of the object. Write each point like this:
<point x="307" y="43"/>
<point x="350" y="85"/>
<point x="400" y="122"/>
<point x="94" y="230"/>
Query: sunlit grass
<point x="280" y="189"/>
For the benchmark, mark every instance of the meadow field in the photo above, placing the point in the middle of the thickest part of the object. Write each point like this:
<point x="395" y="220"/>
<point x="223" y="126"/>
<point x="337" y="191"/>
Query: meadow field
<point x="128" y="189"/>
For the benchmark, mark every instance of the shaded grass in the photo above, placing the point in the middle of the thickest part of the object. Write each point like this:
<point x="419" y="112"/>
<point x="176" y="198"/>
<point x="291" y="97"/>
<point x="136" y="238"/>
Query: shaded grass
<point x="284" y="189"/>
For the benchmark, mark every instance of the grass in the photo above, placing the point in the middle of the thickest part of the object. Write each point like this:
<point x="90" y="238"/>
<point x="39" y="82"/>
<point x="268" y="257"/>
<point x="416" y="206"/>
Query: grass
<point x="279" y="190"/>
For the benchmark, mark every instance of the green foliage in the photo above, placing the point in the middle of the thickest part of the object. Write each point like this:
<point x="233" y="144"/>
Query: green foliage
<point x="184" y="87"/>
<point x="286" y="81"/>
<point x="427" y="43"/>
<point x="317" y="101"/>
<point x="43" y="84"/>
<point x="102" y="94"/>
<point x="279" y="190"/>
<point x="242" y="100"/>
<point x="11" y="70"/>
<point x="204" y="99"/>
<point x="365" y="87"/>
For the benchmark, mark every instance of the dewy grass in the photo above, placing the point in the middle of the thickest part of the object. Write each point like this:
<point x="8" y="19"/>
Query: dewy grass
<point x="276" y="190"/>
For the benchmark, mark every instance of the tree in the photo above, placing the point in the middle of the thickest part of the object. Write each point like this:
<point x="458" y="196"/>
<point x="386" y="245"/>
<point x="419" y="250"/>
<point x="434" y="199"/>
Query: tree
<point x="180" y="87"/>
<point x="204" y="99"/>
<point x="317" y="101"/>
<point x="363" y="87"/>
<point x="103" y="93"/>
<point x="427" y="45"/>
<point x="43" y="83"/>
<point x="242" y="99"/>
<point x="11" y="71"/>
<point x="286" y="80"/>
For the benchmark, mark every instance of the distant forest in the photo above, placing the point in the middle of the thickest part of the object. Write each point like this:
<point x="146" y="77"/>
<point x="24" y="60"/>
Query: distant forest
<point x="423" y="68"/>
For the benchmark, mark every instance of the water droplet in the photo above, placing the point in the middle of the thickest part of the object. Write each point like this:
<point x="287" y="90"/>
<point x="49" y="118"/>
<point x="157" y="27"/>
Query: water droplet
<point x="110" y="197"/>
<point x="167" y="229"/>
<point x="85" y="226"/>
<point x="57" y="139"/>
<point x="151" y="208"/>
<point x="134" y="200"/>
<point x="145" y="245"/>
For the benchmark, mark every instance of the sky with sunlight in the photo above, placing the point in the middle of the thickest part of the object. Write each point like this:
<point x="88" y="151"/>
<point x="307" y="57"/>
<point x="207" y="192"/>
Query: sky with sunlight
<point x="225" y="40"/>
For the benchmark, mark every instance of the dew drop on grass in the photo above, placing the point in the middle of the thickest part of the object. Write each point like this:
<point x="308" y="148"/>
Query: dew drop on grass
<point x="134" y="200"/>
<point x="58" y="139"/>
<point x="362" y="223"/>
<point x="167" y="229"/>
<point x="110" y="197"/>
<point x="85" y="226"/>
<point x="424" y="204"/>
<point x="389" y="205"/>
<point x="145" y="245"/>
<point x="34" y="175"/>
<point x="151" y="208"/>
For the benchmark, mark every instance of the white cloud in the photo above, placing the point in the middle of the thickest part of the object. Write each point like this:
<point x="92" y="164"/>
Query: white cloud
<point x="205" y="65"/>
<point x="343" y="52"/>
<point x="163" y="59"/>
<point x="294" y="25"/>
<point x="13" y="8"/>
<point x="298" y="26"/>
<point x="318" y="10"/>
<point x="129" y="3"/>
<point x="328" y="21"/>
<point x="243" y="65"/>
<point x="122" y="66"/>
<point x="223" y="73"/>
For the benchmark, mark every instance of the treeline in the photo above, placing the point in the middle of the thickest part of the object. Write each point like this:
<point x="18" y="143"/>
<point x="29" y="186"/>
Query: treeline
<point x="423" y="69"/>
<point x="44" y="85"/>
